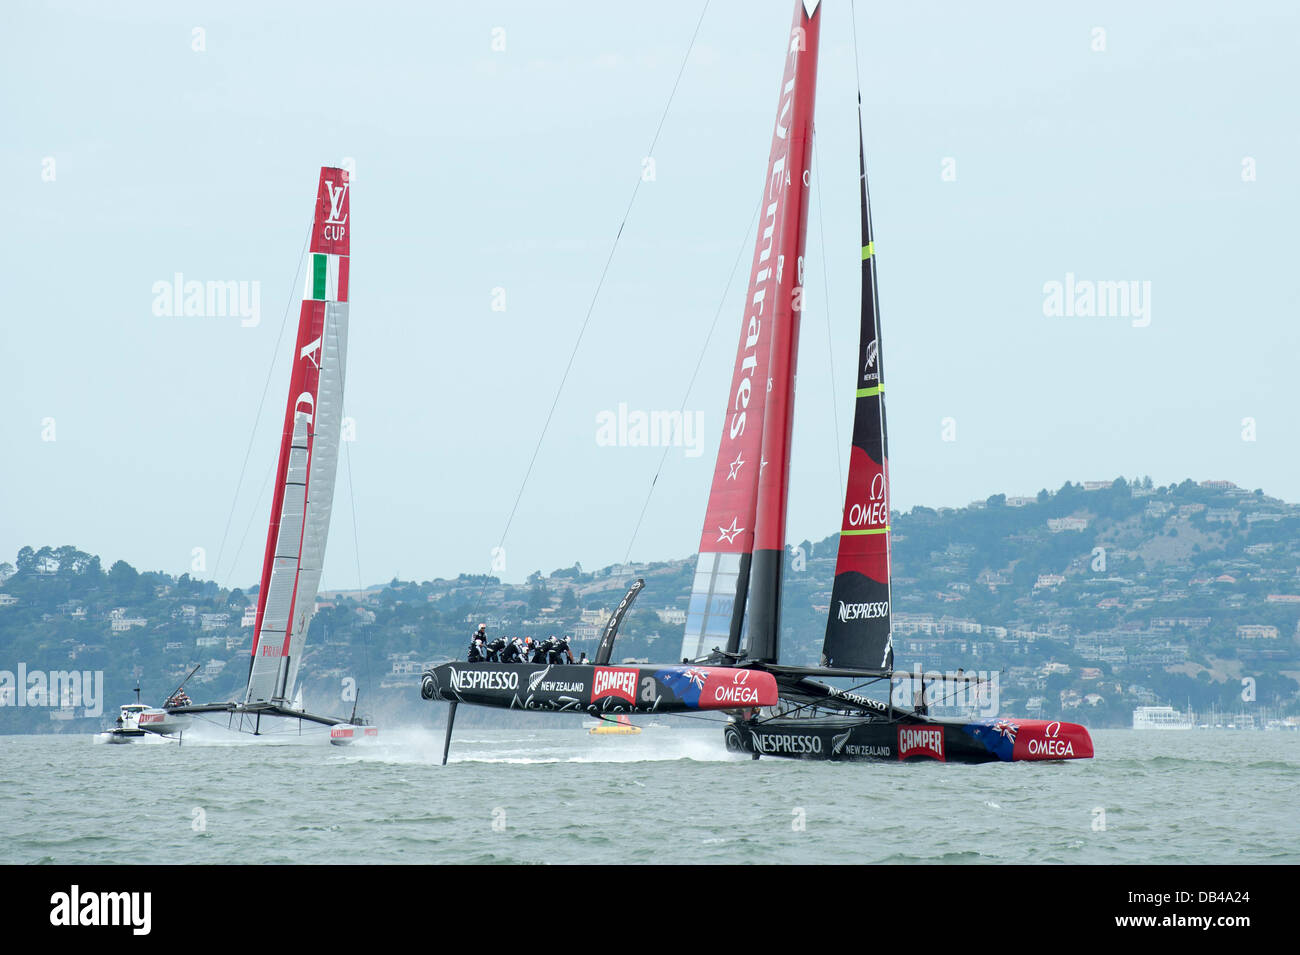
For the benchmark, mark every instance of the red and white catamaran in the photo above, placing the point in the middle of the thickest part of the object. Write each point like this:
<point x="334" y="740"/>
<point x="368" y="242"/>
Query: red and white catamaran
<point x="304" y="482"/>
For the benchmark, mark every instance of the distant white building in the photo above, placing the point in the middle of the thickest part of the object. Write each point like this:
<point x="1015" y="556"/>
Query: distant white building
<point x="7" y="600"/>
<point x="672" y="616"/>
<point x="215" y="621"/>
<point x="597" y="618"/>
<point x="250" y="616"/>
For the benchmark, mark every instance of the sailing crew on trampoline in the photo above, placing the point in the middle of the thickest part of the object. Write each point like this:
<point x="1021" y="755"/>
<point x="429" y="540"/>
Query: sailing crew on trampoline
<point x="478" y="645"/>
<point x="507" y="652"/>
<point x="558" y="650"/>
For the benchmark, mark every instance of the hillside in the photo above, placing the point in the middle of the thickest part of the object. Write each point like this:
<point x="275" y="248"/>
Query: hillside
<point x="1088" y="601"/>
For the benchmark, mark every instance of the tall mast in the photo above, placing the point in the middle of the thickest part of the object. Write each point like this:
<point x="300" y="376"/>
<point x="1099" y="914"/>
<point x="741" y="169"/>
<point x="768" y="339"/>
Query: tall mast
<point x="796" y="111"/>
<point x="746" y="507"/>
<point x="309" y="446"/>
<point x="858" y="628"/>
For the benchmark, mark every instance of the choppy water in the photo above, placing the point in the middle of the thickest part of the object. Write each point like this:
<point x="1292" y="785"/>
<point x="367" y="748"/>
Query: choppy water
<point x="669" y="795"/>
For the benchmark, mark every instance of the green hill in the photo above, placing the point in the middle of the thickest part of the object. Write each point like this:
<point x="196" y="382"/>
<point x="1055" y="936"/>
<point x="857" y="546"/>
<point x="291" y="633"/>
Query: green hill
<point x="1087" y="601"/>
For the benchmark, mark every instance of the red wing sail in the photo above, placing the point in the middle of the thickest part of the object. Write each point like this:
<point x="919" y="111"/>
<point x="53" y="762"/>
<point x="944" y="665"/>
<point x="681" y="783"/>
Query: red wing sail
<point x="764" y="365"/>
<point x="794" y="126"/>
<point x="309" y="445"/>
<point x="858" y="631"/>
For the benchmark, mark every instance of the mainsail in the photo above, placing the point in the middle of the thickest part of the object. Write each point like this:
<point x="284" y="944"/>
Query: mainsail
<point x="309" y="447"/>
<point x="858" y="632"/>
<point x="744" y="523"/>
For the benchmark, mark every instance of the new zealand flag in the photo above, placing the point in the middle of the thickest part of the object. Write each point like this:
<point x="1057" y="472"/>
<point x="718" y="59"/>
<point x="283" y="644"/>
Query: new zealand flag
<point x="997" y="735"/>
<point x="685" y="682"/>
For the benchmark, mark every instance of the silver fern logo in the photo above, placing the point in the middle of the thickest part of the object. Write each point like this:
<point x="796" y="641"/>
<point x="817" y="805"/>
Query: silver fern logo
<point x="838" y="741"/>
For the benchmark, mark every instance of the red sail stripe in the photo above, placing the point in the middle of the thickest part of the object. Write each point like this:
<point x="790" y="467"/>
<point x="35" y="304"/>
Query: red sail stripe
<point x="331" y="233"/>
<point x="798" y="97"/>
<point x="733" y="499"/>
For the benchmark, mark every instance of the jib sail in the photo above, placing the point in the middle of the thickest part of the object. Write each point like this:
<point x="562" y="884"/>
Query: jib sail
<point x="309" y="447"/>
<point x="743" y="498"/>
<point x="858" y="631"/>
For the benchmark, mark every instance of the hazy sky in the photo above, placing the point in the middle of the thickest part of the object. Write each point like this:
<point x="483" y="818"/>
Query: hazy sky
<point x="130" y="156"/>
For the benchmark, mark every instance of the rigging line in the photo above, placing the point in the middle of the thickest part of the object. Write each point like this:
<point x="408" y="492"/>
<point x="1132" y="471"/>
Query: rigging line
<point x="699" y="362"/>
<point x="275" y="352"/>
<point x="582" y="330"/>
<point x="252" y="518"/>
<point x="356" y="546"/>
<point x="857" y="70"/>
<point x="830" y="340"/>
<point x="825" y="702"/>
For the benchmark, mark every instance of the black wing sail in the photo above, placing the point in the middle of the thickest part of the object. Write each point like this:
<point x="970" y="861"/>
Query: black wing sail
<point x="858" y="631"/>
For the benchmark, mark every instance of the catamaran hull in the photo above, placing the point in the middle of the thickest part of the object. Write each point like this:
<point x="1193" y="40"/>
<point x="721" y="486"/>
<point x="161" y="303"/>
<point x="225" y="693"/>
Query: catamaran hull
<point x="163" y="723"/>
<point x="347" y="734"/>
<point x="674" y="688"/>
<point x="911" y="738"/>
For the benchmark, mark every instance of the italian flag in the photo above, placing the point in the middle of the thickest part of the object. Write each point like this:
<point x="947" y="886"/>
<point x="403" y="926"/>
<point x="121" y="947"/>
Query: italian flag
<point x="327" y="277"/>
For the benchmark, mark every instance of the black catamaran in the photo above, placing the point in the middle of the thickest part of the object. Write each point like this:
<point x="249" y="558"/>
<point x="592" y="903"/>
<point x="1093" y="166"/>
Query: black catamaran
<point x="731" y="643"/>
<point x="737" y="594"/>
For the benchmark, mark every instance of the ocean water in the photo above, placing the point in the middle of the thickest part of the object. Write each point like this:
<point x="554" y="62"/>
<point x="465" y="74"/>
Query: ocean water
<point x="670" y="795"/>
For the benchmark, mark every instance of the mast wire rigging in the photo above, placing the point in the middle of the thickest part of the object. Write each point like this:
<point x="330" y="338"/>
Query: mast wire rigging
<point x="266" y="387"/>
<point x="582" y="330"/>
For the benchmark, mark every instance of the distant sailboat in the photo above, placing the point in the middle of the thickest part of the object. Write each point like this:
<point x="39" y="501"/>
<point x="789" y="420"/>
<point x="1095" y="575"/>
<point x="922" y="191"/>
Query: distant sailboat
<point x="305" y="478"/>
<point x="621" y="725"/>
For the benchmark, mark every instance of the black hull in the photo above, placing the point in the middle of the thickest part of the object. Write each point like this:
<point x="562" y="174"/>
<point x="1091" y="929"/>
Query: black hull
<point x="583" y="688"/>
<point x="909" y="738"/>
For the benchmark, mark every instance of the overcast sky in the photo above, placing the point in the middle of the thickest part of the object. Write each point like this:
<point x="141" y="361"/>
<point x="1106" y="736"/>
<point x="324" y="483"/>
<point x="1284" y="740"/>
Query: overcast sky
<point x="1009" y="145"/>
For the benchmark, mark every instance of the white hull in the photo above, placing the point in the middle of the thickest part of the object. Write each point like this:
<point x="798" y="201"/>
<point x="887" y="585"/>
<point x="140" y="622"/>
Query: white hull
<point x="159" y="721"/>
<point x="346" y="734"/>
